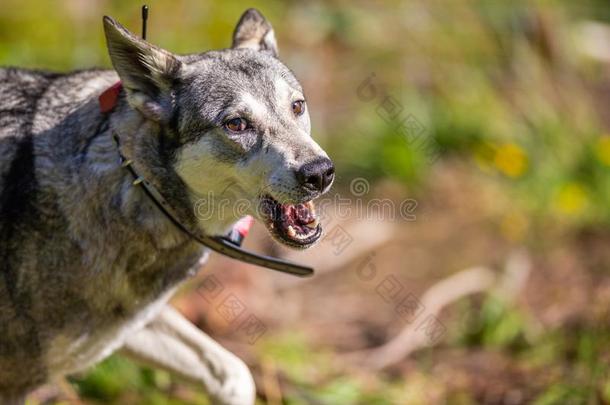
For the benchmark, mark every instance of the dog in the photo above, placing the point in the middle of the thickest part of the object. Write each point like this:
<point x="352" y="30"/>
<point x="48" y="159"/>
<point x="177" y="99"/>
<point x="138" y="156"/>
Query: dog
<point x="88" y="260"/>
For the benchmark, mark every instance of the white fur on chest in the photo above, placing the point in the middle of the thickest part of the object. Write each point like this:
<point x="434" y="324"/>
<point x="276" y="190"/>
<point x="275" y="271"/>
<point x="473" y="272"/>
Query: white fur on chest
<point x="67" y="355"/>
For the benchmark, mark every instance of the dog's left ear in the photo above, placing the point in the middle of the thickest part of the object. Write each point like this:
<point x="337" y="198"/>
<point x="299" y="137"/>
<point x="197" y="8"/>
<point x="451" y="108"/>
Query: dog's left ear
<point x="255" y="32"/>
<point x="146" y="71"/>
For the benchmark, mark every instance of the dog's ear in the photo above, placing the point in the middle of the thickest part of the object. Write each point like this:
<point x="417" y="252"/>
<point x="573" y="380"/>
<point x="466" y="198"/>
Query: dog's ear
<point x="255" y="32"/>
<point x="146" y="71"/>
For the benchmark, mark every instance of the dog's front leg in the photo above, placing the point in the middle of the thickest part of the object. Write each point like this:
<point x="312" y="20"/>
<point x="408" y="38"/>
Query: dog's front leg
<point x="171" y="342"/>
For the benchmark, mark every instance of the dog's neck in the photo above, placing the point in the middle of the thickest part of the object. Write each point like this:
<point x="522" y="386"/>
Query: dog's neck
<point x="151" y="148"/>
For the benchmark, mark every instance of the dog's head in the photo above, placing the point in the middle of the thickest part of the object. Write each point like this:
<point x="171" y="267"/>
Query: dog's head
<point x="239" y="128"/>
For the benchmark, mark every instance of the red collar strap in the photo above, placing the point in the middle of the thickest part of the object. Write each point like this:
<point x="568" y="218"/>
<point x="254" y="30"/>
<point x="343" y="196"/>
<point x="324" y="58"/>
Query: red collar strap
<point x="109" y="98"/>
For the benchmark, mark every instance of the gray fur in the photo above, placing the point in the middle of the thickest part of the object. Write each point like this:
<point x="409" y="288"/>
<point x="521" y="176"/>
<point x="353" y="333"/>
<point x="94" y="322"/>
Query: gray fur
<point x="85" y="257"/>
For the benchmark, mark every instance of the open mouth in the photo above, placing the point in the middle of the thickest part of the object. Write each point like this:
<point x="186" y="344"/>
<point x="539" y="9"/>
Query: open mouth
<point x="294" y="225"/>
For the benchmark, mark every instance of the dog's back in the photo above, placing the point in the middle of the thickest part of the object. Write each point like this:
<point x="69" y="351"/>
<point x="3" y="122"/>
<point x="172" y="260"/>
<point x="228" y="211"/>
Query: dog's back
<point x="19" y="342"/>
<point x="28" y="216"/>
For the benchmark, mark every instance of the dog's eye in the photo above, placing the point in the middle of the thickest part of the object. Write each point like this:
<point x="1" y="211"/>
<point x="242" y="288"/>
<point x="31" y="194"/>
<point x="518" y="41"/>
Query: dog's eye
<point x="236" y="125"/>
<point x="298" y="107"/>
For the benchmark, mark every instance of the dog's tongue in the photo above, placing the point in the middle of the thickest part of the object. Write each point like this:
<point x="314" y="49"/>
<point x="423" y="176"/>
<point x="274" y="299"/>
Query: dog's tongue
<point x="295" y="222"/>
<point x="300" y="214"/>
<point x="304" y="213"/>
<point x="299" y="220"/>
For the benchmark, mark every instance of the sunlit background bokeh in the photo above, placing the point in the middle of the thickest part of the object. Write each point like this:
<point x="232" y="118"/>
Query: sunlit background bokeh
<point x="487" y="122"/>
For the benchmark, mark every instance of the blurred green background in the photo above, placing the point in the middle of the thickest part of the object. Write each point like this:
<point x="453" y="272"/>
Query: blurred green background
<point x="493" y="116"/>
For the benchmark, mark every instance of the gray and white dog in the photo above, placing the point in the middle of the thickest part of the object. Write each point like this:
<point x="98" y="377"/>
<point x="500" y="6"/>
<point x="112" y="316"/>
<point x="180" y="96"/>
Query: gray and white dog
<point x="87" y="260"/>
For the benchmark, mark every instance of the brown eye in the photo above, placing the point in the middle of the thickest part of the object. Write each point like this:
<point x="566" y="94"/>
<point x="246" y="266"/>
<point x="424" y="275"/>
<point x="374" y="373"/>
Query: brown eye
<point x="236" y="125"/>
<point x="298" y="107"/>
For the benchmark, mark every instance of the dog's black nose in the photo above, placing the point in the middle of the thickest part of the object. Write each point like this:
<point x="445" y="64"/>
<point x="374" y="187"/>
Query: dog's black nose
<point x="316" y="175"/>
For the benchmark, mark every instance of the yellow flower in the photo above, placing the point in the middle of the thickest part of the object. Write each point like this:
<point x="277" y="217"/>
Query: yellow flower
<point x="602" y="150"/>
<point x="571" y="199"/>
<point x="511" y="160"/>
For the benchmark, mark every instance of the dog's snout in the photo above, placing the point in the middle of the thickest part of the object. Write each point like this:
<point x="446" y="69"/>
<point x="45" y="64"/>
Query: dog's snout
<point x="316" y="175"/>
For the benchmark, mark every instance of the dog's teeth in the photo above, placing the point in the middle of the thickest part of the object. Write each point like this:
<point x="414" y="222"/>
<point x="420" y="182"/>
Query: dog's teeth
<point x="291" y="232"/>
<point x="313" y="224"/>
<point x="311" y="207"/>
<point x="271" y="225"/>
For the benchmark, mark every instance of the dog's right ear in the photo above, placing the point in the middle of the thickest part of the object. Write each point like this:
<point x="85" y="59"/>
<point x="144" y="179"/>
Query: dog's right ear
<point x="146" y="71"/>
